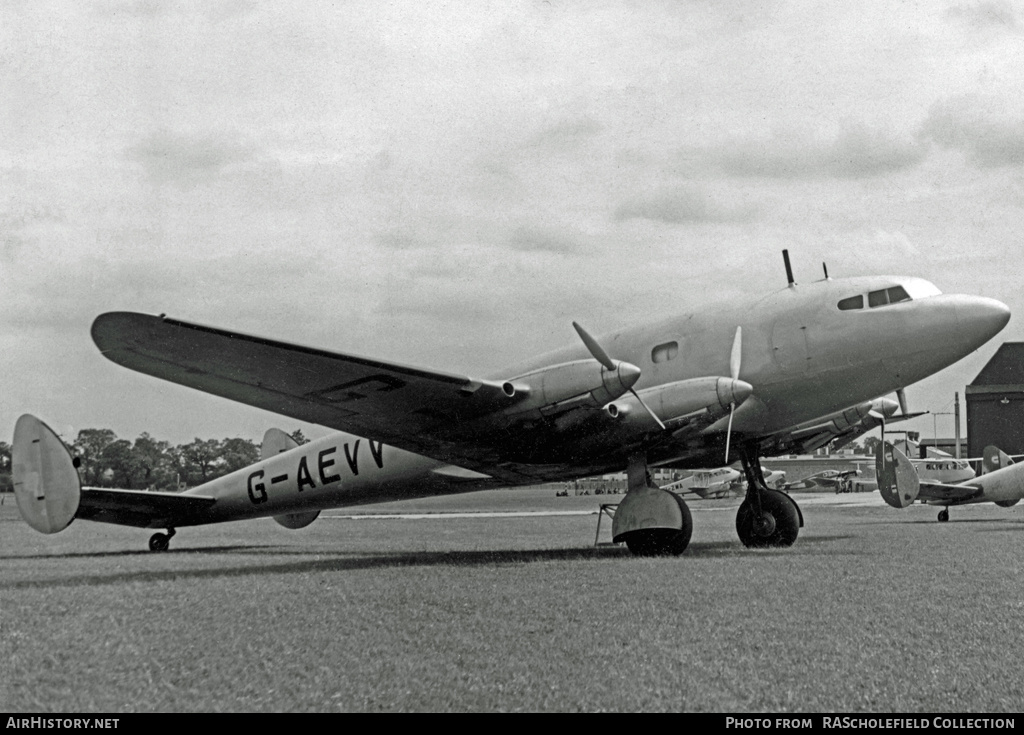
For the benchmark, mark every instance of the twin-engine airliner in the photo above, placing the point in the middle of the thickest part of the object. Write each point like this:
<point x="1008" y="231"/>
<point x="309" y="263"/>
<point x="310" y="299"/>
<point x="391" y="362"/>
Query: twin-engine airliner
<point x="900" y="481"/>
<point x="787" y="372"/>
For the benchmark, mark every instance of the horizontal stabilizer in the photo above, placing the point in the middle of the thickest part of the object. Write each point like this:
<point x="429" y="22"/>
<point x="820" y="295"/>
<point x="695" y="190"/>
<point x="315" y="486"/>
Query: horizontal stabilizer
<point x="142" y="508"/>
<point x="46" y="484"/>
<point x="898" y="481"/>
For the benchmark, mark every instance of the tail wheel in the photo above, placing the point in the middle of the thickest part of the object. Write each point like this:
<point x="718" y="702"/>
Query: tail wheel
<point x="662" y="541"/>
<point x="779" y="524"/>
<point x="160" y="541"/>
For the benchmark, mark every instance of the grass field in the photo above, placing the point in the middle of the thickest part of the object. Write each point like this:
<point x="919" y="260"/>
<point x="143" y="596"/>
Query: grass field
<point x="872" y="610"/>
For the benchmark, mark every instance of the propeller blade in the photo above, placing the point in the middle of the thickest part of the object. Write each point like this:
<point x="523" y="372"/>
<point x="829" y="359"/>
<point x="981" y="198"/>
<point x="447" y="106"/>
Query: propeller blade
<point x="734" y="370"/>
<point x="734" y="359"/>
<point x="728" y="432"/>
<point x="595" y="349"/>
<point x="653" y="415"/>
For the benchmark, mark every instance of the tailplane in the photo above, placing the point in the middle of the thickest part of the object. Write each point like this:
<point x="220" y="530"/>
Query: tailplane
<point x="46" y="483"/>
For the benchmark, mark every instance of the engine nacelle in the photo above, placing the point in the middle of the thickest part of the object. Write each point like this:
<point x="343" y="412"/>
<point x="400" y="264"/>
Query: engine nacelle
<point x="678" y="402"/>
<point x="571" y="384"/>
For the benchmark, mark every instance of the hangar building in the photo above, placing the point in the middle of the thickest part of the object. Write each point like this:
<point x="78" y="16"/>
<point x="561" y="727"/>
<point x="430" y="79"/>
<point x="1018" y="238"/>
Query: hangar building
<point x="995" y="403"/>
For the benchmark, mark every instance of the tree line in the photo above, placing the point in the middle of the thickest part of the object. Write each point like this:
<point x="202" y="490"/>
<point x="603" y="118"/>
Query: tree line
<point x="148" y="463"/>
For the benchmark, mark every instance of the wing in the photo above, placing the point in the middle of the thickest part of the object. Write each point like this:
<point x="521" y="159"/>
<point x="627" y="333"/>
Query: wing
<point x="805" y="439"/>
<point x="940" y="491"/>
<point x="406" y="407"/>
<point x="141" y="508"/>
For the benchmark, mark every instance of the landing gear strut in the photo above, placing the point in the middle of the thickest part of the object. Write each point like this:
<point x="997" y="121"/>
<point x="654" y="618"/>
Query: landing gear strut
<point x="160" y="541"/>
<point x="766" y="518"/>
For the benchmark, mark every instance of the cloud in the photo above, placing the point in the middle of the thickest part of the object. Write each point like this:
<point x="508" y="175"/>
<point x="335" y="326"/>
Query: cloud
<point x="190" y="159"/>
<point x="855" y="152"/>
<point x="681" y="206"/>
<point x="981" y="127"/>
<point x="987" y="14"/>
<point x="565" y="134"/>
<point x="534" y="238"/>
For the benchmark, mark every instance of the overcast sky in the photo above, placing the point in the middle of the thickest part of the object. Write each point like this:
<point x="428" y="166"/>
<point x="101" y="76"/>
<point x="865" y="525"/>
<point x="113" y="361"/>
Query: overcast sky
<point x="451" y="184"/>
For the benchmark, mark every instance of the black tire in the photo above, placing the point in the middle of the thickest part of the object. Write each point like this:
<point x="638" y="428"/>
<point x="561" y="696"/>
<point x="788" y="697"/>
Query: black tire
<point x="662" y="541"/>
<point x="943" y="516"/>
<point x="159" y="542"/>
<point x="783" y="511"/>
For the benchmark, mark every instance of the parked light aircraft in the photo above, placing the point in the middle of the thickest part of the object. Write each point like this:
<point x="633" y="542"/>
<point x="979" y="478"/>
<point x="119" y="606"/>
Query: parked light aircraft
<point x="825" y="480"/>
<point x="781" y="373"/>
<point x="707" y="483"/>
<point x="900" y="482"/>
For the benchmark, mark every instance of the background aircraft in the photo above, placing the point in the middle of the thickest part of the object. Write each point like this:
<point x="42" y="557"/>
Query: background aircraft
<point x="900" y="482"/>
<point x="705" y="387"/>
<point x="716" y="483"/>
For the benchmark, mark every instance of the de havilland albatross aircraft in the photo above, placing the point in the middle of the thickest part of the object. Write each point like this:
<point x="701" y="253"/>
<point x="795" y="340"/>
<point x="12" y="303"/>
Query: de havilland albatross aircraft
<point x="786" y="372"/>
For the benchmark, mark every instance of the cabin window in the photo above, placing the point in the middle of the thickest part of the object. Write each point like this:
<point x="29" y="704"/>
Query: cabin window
<point x="665" y="352"/>
<point x="854" y="302"/>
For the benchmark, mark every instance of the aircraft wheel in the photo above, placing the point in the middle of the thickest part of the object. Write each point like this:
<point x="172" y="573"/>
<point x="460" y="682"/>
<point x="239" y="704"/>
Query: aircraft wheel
<point x="159" y="542"/>
<point x="778" y="526"/>
<point x="662" y="541"/>
<point x="943" y="515"/>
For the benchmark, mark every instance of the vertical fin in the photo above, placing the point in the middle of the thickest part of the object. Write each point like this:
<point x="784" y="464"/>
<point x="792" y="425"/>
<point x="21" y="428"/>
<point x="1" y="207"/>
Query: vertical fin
<point x="46" y="483"/>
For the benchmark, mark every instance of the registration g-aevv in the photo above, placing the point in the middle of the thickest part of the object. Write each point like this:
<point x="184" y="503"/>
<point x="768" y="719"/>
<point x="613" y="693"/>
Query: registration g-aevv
<point x="785" y="372"/>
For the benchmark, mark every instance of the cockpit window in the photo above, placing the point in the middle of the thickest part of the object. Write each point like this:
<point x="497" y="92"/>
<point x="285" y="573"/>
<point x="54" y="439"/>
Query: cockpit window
<point x="877" y="298"/>
<point x="897" y="294"/>
<point x="854" y="302"/>
<point x="908" y="290"/>
<point x="888" y="296"/>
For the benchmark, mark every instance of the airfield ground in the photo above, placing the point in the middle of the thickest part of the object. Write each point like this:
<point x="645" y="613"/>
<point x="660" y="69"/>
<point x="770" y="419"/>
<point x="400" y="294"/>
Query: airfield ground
<point x="873" y="610"/>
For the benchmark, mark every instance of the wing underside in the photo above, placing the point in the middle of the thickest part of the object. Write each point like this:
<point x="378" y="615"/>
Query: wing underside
<point x="142" y="509"/>
<point x="936" y="491"/>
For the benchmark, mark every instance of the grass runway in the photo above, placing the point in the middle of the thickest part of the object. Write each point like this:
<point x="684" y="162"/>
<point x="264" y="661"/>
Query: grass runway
<point x="872" y="610"/>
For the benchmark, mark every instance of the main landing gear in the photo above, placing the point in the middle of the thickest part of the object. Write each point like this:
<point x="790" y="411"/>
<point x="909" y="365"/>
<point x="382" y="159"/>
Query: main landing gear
<point x="766" y="518"/>
<point x="160" y="541"/>
<point x="651" y="521"/>
<point x="943" y="515"/>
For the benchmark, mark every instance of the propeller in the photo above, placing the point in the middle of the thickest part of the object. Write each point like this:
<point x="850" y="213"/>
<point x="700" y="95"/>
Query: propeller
<point x="734" y="373"/>
<point x="602" y="357"/>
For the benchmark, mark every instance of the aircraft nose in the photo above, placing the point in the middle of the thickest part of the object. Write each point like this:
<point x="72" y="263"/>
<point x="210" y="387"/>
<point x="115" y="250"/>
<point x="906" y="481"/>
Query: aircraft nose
<point x="981" y="318"/>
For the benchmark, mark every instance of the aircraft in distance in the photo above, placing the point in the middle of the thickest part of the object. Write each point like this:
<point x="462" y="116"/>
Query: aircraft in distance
<point x="825" y="480"/>
<point x="707" y="483"/>
<point x="899" y="481"/>
<point x="780" y="373"/>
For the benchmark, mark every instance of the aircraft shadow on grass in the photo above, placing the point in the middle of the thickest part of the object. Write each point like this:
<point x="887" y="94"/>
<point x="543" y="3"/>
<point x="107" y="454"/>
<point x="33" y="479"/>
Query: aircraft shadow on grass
<point x="344" y="561"/>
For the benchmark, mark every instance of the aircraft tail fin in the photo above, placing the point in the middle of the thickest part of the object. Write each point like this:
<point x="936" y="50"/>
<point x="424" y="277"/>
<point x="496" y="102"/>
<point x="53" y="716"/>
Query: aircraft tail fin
<point x="276" y="441"/>
<point x="46" y="483"/>
<point x="994" y="458"/>
<point x="898" y="481"/>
